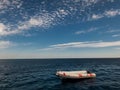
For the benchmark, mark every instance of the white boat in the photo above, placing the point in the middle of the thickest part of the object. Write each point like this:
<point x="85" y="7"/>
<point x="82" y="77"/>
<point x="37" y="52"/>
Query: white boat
<point x="75" y="75"/>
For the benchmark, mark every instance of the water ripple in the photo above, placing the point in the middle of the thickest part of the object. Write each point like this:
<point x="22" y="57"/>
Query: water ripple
<point x="40" y="74"/>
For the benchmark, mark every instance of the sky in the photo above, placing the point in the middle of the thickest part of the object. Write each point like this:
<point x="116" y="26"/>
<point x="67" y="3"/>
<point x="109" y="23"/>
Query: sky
<point x="59" y="28"/>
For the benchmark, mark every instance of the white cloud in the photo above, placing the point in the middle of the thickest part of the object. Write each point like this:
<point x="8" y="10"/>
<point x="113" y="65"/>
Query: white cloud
<point x="116" y="35"/>
<point x="91" y="44"/>
<point x="2" y="27"/>
<point x="41" y="20"/>
<point x="5" y="44"/>
<point x="89" y="2"/>
<point x="45" y="20"/>
<point x="9" y="4"/>
<point x="6" y="30"/>
<point x="62" y="12"/>
<point x="107" y="13"/>
<point x="86" y="31"/>
<point x="112" y="13"/>
<point x="92" y="1"/>
<point x="35" y="22"/>
<point x="4" y="4"/>
<point x="80" y="32"/>
<point x="95" y="16"/>
<point x="113" y="31"/>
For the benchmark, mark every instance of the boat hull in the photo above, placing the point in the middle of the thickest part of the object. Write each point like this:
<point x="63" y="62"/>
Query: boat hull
<point x="77" y="75"/>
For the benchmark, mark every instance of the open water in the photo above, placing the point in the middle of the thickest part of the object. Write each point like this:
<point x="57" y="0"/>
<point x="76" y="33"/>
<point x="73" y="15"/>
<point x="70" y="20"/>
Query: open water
<point x="39" y="74"/>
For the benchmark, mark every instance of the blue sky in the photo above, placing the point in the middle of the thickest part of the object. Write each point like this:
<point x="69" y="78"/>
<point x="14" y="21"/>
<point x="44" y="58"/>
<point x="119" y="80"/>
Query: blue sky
<point x="59" y="28"/>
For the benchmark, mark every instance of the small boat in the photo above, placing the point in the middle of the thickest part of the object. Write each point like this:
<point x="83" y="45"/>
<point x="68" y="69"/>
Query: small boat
<point x="75" y="75"/>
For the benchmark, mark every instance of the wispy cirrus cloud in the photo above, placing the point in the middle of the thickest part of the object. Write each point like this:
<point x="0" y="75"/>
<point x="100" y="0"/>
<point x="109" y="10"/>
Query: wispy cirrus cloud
<point x="107" y="13"/>
<point x="116" y="35"/>
<point x="43" y="18"/>
<point x="95" y="16"/>
<point x="91" y="44"/>
<point x="6" y="5"/>
<point x="43" y="21"/>
<point x="85" y="31"/>
<point x="6" y="30"/>
<point x="8" y="44"/>
<point x="5" y="44"/>
<point x="112" y="13"/>
<point x="113" y="31"/>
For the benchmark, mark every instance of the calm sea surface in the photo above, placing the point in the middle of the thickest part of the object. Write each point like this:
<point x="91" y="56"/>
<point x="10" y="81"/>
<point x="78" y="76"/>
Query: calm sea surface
<point x="40" y="74"/>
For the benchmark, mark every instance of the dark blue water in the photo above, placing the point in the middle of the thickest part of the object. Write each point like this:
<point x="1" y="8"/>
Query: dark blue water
<point x="40" y="74"/>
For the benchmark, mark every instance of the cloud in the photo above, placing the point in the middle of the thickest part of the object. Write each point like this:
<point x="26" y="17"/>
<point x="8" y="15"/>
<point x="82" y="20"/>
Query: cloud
<point x="80" y="32"/>
<point x="43" y="21"/>
<point x="112" y="13"/>
<point x="116" y="35"/>
<point x="113" y="31"/>
<point x="86" y="31"/>
<point x="95" y="16"/>
<point x="45" y="18"/>
<point x="107" y="13"/>
<point x="6" y="30"/>
<point x="5" y="44"/>
<point x="6" y="5"/>
<point x="91" y="44"/>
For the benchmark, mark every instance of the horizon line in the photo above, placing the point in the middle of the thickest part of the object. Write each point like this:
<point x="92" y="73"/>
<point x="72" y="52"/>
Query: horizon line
<point x="63" y="58"/>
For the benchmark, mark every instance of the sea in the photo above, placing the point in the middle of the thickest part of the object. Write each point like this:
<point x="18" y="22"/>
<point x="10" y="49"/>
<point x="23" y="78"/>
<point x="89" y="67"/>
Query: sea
<point x="39" y="74"/>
